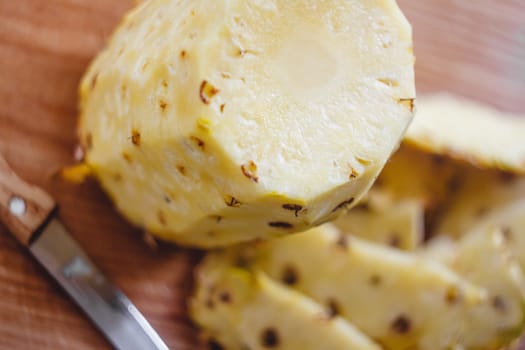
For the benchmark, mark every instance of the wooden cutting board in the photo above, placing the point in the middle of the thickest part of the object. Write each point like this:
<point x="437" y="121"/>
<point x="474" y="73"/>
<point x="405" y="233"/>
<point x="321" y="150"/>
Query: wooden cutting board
<point x="476" y="49"/>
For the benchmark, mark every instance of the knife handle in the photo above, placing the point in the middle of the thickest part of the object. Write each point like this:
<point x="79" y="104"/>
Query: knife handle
<point x="23" y="208"/>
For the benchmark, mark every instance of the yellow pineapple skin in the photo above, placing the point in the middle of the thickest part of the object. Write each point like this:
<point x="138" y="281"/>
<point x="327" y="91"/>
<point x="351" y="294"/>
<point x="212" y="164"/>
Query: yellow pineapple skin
<point x="214" y="122"/>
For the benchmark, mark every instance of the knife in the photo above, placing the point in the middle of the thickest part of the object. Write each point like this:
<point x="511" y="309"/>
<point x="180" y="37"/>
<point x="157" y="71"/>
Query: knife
<point x="29" y="214"/>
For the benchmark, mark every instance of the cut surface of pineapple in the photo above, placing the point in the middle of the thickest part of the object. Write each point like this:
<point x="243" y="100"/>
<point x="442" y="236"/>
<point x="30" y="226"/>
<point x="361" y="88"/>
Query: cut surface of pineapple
<point x="398" y="224"/>
<point x="400" y="300"/>
<point x="242" y="309"/>
<point x="467" y="130"/>
<point x="210" y="122"/>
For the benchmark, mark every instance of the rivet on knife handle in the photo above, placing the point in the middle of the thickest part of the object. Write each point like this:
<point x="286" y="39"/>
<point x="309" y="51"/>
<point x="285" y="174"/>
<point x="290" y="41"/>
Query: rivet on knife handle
<point x="23" y="207"/>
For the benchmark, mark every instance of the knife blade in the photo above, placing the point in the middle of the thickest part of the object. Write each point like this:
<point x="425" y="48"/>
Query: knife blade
<point x="29" y="214"/>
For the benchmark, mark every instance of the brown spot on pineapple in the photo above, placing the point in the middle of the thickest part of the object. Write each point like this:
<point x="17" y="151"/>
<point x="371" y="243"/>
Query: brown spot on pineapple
<point x="163" y="105"/>
<point x="270" y="338"/>
<point x="161" y="217"/>
<point x="216" y="218"/>
<point x="388" y="82"/>
<point x="401" y="324"/>
<point x="296" y="208"/>
<point x="290" y="276"/>
<point x="499" y="304"/>
<point x="222" y="108"/>
<point x="333" y="308"/>
<point x="250" y="171"/>
<point x="225" y="297"/>
<point x="167" y="199"/>
<point x="126" y="156"/>
<point x="375" y="280"/>
<point x="117" y="177"/>
<point x="145" y="65"/>
<point x="280" y="224"/>
<point x="343" y="241"/>
<point x="225" y="75"/>
<point x="214" y="345"/>
<point x="452" y="295"/>
<point x="407" y="102"/>
<point x="207" y="91"/>
<point x="353" y="174"/>
<point x="343" y="204"/>
<point x="232" y="201"/>
<point x="183" y="54"/>
<point x="135" y="137"/>
<point x="181" y="169"/>
<point x="198" y="142"/>
<point x="507" y="233"/>
<point x="164" y="83"/>
<point x="454" y="183"/>
<point x="209" y="303"/>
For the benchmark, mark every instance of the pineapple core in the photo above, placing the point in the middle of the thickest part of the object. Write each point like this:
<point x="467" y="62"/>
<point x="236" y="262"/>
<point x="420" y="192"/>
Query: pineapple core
<point x="211" y="122"/>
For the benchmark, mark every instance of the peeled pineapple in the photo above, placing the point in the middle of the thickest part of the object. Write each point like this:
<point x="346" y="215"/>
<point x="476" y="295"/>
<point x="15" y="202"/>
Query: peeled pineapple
<point x="470" y="131"/>
<point x="241" y="309"/>
<point x="402" y="301"/>
<point x="211" y="122"/>
<point x="395" y="223"/>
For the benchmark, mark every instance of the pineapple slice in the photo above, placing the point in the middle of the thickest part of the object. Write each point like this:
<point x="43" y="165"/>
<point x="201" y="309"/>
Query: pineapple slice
<point x="487" y="257"/>
<point x="398" y="299"/>
<point x="469" y="131"/>
<point x="210" y="122"/>
<point x="241" y="309"/>
<point x="414" y="174"/>
<point x="398" y="223"/>
<point x="481" y="194"/>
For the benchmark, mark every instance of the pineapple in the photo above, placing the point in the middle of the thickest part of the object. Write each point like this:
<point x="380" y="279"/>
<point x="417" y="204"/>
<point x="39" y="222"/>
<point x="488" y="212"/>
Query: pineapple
<point x="400" y="300"/>
<point x="244" y="309"/>
<point x="469" y="131"/>
<point x="395" y="223"/>
<point x="415" y="175"/>
<point x="211" y="122"/>
<point x="481" y="194"/>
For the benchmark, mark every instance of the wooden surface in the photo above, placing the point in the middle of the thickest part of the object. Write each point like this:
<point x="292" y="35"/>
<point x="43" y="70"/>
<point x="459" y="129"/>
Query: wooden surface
<point x="474" y="48"/>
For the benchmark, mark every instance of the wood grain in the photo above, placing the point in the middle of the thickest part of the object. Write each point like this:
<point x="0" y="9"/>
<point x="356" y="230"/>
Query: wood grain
<point x="37" y="204"/>
<point x="476" y="49"/>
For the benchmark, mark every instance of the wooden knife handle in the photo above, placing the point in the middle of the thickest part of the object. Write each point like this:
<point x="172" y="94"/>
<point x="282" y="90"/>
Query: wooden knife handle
<point x="23" y="207"/>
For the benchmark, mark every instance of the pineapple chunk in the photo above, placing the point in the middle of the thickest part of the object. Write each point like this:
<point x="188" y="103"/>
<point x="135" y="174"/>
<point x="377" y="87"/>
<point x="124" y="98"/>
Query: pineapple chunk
<point x="398" y="223"/>
<point x="469" y="131"/>
<point x="210" y="122"/>
<point x="481" y="194"/>
<point x="241" y="309"/>
<point x="398" y="299"/>
<point x="414" y="174"/>
<point x="488" y="257"/>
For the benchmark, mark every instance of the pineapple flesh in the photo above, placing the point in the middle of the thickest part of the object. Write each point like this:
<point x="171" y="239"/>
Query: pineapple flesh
<point x="398" y="224"/>
<point x="211" y="122"/>
<point x="469" y="131"/>
<point x="400" y="300"/>
<point x="241" y="308"/>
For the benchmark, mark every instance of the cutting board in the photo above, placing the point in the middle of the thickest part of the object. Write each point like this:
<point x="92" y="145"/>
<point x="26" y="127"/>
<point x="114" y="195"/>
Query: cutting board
<point x="473" y="48"/>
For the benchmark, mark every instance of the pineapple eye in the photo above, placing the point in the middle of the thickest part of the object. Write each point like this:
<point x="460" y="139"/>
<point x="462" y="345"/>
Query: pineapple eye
<point x="280" y="224"/>
<point x="401" y="324"/>
<point x="290" y="275"/>
<point x="343" y="204"/>
<point x="333" y="308"/>
<point x="270" y="338"/>
<point x="207" y="91"/>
